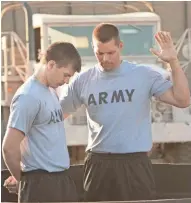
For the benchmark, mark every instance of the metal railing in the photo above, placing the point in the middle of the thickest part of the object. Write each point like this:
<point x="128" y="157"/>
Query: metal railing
<point x="184" y="44"/>
<point x="13" y="47"/>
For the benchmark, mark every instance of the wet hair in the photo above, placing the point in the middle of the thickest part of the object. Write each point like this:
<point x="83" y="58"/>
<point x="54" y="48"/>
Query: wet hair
<point x="105" y="32"/>
<point x="63" y="53"/>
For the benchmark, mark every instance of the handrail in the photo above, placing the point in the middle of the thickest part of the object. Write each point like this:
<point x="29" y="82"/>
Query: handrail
<point x="20" y="41"/>
<point x="16" y="37"/>
<point x="15" y="42"/>
<point x="181" y="40"/>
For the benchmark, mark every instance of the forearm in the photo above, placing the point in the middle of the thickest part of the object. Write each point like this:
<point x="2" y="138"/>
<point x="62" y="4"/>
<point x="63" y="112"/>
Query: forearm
<point x="12" y="160"/>
<point x="181" y="90"/>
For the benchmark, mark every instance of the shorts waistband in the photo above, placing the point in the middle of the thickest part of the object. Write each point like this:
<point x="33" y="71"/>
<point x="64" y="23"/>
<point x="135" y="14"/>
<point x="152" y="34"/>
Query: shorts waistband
<point x="116" y="155"/>
<point x="42" y="172"/>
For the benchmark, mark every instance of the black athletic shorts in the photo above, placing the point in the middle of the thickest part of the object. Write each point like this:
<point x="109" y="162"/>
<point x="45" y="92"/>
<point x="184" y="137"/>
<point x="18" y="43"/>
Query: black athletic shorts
<point x="118" y="177"/>
<point x="43" y="186"/>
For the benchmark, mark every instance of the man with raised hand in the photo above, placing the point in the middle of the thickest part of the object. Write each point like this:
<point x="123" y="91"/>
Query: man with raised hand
<point x="117" y="97"/>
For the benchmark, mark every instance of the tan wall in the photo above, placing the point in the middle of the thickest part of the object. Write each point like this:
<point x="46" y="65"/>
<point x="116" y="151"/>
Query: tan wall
<point x="172" y="13"/>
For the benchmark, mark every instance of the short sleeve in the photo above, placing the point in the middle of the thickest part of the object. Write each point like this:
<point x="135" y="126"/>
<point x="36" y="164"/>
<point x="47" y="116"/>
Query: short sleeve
<point x="23" y="111"/>
<point x="70" y="96"/>
<point x="159" y="83"/>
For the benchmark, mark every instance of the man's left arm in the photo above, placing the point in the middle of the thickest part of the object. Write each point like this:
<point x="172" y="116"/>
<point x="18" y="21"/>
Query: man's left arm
<point x="179" y="94"/>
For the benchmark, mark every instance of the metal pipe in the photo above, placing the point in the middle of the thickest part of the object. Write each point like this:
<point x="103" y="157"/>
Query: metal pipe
<point x="13" y="20"/>
<point x="69" y="8"/>
<point x="29" y="32"/>
<point x="185" y="15"/>
<point x="9" y="7"/>
<point x="148" y="5"/>
<point x="30" y="41"/>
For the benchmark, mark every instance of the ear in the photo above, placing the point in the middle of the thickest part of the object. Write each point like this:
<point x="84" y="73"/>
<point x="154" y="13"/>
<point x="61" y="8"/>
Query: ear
<point x="50" y="65"/>
<point x="93" y="46"/>
<point x="120" y="45"/>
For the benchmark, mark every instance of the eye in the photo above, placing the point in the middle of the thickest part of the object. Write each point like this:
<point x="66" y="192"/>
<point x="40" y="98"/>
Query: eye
<point x="100" y="53"/>
<point x="67" y="75"/>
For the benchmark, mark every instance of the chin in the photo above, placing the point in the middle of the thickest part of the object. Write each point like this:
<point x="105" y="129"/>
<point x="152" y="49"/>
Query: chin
<point x="107" y="69"/>
<point x="54" y="86"/>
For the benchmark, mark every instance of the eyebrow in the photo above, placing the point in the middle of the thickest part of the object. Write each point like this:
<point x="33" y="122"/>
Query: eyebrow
<point x="67" y="75"/>
<point x="105" y="52"/>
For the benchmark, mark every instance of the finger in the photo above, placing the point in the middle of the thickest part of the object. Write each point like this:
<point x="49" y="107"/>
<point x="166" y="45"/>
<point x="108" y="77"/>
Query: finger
<point x="168" y="36"/>
<point x="10" y="178"/>
<point x="13" y="191"/>
<point x="158" y="39"/>
<point x="162" y="37"/>
<point x="11" y="186"/>
<point x="7" y="181"/>
<point x="165" y="37"/>
<point x="12" y="182"/>
<point x="155" y="52"/>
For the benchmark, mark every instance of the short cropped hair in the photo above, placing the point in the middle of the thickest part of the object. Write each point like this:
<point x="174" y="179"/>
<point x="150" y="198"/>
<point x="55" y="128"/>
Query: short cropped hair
<point x="63" y="53"/>
<point x="104" y="32"/>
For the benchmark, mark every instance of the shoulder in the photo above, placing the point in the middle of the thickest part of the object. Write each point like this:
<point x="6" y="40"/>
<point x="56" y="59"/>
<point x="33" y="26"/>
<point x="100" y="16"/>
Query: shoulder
<point x="90" y="71"/>
<point x="30" y="89"/>
<point x="26" y="96"/>
<point x="149" y="70"/>
<point x="24" y="100"/>
<point x="85" y="76"/>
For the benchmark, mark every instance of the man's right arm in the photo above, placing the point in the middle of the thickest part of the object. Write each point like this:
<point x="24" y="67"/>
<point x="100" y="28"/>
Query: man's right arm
<point x="11" y="151"/>
<point x="23" y="112"/>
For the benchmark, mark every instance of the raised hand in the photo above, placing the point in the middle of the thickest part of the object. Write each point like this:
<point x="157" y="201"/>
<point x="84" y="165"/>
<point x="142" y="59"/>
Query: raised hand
<point x="167" y="50"/>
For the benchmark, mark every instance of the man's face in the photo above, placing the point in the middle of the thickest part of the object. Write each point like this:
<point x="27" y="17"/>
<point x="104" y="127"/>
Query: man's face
<point x="58" y="76"/>
<point x="108" y="54"/>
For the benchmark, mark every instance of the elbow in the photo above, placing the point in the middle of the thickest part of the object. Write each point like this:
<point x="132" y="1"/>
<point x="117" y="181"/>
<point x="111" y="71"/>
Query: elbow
<point x="6" y="150"/>
<point x="8" y="154"/>
<point x="184" y="103"/>
<point x="4" y="147"/>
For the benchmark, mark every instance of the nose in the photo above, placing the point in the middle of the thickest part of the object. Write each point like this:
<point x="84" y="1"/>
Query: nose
<point x="105" y="57"/>
<point x="67" y="80"/>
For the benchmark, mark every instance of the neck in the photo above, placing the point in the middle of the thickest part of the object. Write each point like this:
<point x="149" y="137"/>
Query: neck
<point x="40" y="75"/>
<point x="120" y="62"/>
<point x="117" y="66"/>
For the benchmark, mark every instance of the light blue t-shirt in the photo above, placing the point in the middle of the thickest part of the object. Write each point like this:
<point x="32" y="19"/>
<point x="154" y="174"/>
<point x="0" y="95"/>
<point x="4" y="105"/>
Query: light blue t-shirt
<point x="35" y="110"/>
<point x="117" y="104"/>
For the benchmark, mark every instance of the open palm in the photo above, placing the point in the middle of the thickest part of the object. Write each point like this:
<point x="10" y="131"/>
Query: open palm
<point x="167" y="51"/>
